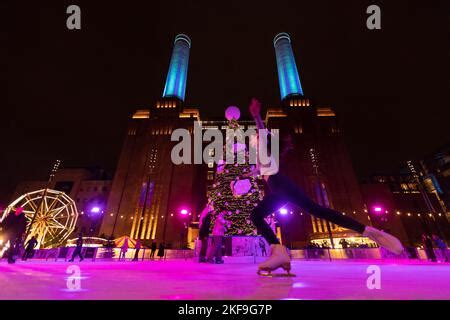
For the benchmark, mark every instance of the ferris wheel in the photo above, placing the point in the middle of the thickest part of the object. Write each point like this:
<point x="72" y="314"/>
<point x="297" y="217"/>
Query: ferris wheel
<point x="55" y="215"/>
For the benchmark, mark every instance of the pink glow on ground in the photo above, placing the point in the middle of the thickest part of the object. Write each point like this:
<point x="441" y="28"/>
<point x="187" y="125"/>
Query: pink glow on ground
<point x="236" y="279"/>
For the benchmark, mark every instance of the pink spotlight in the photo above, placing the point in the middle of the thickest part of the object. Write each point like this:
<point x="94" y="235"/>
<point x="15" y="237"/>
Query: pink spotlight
<point x="283" y="211"/>
<point x="184" y="211"/>
<point x="377" y="209"/>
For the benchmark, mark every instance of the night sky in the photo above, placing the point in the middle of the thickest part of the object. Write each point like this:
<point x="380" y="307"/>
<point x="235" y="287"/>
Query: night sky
<point x="69" y="93"/>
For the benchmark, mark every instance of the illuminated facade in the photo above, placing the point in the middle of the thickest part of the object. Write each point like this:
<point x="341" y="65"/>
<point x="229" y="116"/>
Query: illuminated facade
<point x="178" y="68"/>
<point x="288" y="78"/>
<point x="149" y="192"/>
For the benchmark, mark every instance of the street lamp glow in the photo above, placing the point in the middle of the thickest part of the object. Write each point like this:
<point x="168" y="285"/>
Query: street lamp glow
<point x="95" y="210"/>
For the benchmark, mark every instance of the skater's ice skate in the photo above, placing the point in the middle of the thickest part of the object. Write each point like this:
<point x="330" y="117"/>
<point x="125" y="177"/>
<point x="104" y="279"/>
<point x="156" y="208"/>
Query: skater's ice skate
<point x="384" y="240"/>
<point x="279" y="258"/>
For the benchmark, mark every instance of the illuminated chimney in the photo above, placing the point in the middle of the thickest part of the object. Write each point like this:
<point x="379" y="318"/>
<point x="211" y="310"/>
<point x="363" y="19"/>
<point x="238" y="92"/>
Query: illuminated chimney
<point x="177" y="75"/>
<point x="287" y="69"/>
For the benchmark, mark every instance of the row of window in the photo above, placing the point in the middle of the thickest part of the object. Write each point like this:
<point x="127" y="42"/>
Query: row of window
<point x="166" y="104"/>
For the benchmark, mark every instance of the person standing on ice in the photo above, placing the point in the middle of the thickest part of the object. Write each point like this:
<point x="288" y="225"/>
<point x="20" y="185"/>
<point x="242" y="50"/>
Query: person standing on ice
<point x="442" y="247"/>
<point x="79" y="247"/>
<point x="29" y="248"/>
<point x="281" y="191"/>
<point x="161" y="252"/>
<point x="124" y="250"/>
<point x="220" y="226"/>
<point x="14" y="226"/>
<point x="204" y="228"/>
<point x="137" y="247"/>
<point x="153" y="250"/>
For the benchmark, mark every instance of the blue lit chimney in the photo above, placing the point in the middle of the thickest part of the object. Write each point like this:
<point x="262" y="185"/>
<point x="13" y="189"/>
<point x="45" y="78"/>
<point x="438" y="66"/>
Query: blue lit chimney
<point x="287" y="69"/>
<point x="178" y="68"/>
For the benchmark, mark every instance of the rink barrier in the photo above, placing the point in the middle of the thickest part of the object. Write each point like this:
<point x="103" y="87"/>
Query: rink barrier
<point x="90" y="253"/>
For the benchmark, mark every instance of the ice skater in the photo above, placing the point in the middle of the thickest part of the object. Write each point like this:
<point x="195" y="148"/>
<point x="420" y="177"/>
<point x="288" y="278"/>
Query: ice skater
<point x="124" y="250"/>
<point x="204" y="228"/>
<point x="281" y="191"/>
<point x="153" y="250"/>
<point x="161" y="251"/>
<point x="14" y="226"/>
<point x="137" y="247"/>
<point x="78" y="249"/>
<point x="220" y="226"/>
<point x="442" y="247"/>
<point x="262" y="245"/>
<point x="29" y="248"/>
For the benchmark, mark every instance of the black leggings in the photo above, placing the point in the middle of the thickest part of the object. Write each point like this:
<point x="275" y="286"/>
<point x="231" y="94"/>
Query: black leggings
<point x="282" y="191"/>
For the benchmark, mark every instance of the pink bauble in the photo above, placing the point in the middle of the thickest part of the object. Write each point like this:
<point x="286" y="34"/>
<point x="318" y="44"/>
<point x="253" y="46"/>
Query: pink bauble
<point x="232" y="112"/>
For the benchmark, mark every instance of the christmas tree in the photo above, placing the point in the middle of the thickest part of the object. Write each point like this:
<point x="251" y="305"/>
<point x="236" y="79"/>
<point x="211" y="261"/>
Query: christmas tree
<point x="238" y="201"/>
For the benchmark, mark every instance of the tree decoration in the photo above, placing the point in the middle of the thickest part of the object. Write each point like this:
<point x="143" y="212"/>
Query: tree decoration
<point x="240" y="200"/>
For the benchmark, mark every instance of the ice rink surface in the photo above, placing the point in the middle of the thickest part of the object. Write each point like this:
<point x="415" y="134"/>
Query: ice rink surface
<point x="236" y="279"/>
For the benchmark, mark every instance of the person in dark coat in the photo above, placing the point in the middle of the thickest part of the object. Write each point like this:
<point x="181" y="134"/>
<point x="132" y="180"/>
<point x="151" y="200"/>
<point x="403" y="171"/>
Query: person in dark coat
<point x="153" y="250"/>
<point x="161" y="251"/>
<point x="78" y="249"/>
<point x="442" y="247"/>
<point x="204" y="226"/>
<point x="262" y="245"/>
<point x="428" y="246"/>
<point x="137" y="247"/>
<point x="29" y="248"/>
<point x="14" y="226"/>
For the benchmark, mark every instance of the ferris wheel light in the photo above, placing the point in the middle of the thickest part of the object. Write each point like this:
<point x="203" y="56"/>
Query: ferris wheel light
<point x="52" y="225"/>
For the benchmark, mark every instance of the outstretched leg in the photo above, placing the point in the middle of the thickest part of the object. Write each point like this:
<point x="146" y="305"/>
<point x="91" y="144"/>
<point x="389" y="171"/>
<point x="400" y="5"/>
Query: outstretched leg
<point x="297" y="196"/>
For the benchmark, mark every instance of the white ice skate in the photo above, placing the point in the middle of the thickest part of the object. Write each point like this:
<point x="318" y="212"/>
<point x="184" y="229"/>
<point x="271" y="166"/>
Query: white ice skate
<point x="384" y="240"/>
<point x="279" y="258"/>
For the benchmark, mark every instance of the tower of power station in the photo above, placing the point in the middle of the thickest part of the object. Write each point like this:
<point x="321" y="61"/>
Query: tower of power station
<point x="176" y="77"/>
<point x="287" y="69"/>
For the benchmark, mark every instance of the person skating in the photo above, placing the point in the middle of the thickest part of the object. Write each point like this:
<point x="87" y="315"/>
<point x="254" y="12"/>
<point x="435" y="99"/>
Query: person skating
<point x="428" y="247"/>
<point x="14" y="226"/>
<point x="161" y="250"/>
<point x="262" y="245"/>
<point x="137" y="247"/>
<point x="281" y="191"/>
<point x="203" y="234"/>
<point x="29" y="248"/>
<point x="153" y="250"/>
<point x="78" y="249"/>
<point x="124" y="250"/>
<point x="442" y="247"/>
<point x="220" y="226"/>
